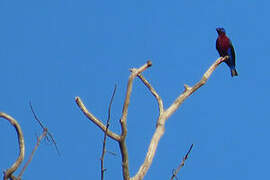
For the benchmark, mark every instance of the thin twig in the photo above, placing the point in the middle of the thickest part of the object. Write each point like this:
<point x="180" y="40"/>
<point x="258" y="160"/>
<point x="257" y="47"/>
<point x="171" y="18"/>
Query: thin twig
<point x="182" y="163"/>
<point x="105" y="135"/>
<point x="8" y="173"/>
<point x="39" y="139"/>
<point x="44" y="129"/>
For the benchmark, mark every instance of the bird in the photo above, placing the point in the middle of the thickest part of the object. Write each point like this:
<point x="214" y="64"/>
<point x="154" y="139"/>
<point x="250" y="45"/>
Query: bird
<point x="225" y="48"/>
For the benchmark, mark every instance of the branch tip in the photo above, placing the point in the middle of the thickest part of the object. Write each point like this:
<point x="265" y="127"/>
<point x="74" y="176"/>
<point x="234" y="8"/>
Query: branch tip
<point x="149" y="63"/>
<point x="95" y="120"/>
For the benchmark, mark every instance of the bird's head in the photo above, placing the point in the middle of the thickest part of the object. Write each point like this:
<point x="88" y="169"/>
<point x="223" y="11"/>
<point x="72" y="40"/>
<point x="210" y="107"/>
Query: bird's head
<point x="220" y="31"/>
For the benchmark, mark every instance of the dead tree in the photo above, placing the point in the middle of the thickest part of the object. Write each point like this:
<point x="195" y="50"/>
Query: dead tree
<point x="164" y="114"/>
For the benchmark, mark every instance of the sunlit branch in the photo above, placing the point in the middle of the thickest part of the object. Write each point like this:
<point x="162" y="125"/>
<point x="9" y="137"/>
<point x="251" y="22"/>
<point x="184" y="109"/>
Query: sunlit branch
<point x="154" y="93"/>
<point x="189" y="90"/>
<point x="123" y="120"/>
<point x="8" y="173"/>
<point x="39" y="139"/>
<point x="95" y="120"/>
<point x="160" y="127"/>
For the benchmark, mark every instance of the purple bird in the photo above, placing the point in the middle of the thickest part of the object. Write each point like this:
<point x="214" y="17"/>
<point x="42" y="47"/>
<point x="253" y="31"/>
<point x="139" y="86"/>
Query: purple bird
<point x="225" y="48"/>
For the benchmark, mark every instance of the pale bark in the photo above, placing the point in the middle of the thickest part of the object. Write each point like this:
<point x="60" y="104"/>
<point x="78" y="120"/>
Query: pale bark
<point x="164" y="114"/>
<point x="9" y="172"/>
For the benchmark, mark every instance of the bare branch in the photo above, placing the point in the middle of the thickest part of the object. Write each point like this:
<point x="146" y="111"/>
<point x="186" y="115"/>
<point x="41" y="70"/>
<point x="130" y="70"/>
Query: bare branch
<point x="105" y="136"/>
<point x="134" y="73"/>
<point x="35" y="116"/>
<point x="96" y="121"/>
<point x="123" y="120"/>
<point x="151" y="150"/>
<point x="182" y="163"/>
<point x="160" y="127"/>
<point x="189" y="90"/>
<point x="39" y="139"/>
<point x="153" y="91"/>
<point x="45" y="131"/>
<point x="8" y="173"/>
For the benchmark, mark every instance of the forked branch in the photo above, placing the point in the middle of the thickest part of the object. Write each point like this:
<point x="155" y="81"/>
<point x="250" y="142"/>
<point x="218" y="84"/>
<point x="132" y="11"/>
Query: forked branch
<point x="123" y="120"/>
<point x="134" y="73"/>
<point x="160" y="126"/>
<point x="121" y="139"/>
<point x="39" y="139"/>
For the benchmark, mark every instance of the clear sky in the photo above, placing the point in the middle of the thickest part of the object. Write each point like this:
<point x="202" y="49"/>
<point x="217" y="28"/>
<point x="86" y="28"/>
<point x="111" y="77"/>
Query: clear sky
<point x="52" y="51"/>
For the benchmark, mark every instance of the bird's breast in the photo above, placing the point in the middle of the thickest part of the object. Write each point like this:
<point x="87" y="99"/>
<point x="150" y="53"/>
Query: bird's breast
<point x="224" y="44"/>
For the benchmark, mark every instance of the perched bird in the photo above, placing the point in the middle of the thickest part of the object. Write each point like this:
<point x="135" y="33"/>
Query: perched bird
<point x="225" y="48"/>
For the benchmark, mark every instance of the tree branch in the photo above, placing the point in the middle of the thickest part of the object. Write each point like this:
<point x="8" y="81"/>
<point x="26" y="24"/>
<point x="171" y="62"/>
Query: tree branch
<point x="160" y="127"/>
<point x="154" y="93"/>
<point x="121" y="139"/>
<point x="105" y="135"/>
<point x="33" y="152"/>
<point x="96" y="121"/>
<point x="39" y="139"/>
<point x="44" y="129"/>
<point x="8" y="173"/>
<point x="123" y="120"/>
<point x="134" y="73"/>
<point x="190" y="90"/>
<point x="182" y="163"/>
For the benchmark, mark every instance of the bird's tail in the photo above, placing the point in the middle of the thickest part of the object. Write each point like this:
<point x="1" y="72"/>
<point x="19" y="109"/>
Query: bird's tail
<point x="234" y="72"/>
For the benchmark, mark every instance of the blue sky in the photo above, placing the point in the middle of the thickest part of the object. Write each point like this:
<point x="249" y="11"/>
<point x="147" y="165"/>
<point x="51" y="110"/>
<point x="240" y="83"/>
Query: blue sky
<point x="52" y="51"/>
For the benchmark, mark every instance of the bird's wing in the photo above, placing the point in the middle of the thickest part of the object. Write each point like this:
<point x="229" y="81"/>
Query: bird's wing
<point x="232" y="53"/>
